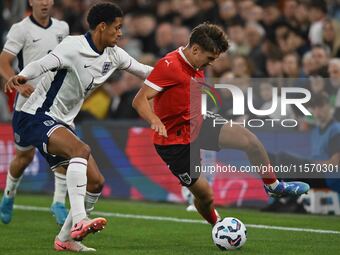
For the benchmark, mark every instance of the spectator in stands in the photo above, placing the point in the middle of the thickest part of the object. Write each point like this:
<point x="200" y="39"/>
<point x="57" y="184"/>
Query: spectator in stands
<point x="255" y="35"/>
<point x="320" y="56"/>
<point x="325" y="149"/>
<point x="317" y="14"/>
<point x="164" y="39"/>
<point x="180" y="36"/>
<point x="237" y="36"/>
<point x="334" y="74"/>
<point x="331" y="36"/>
<point x="308" y="64"/>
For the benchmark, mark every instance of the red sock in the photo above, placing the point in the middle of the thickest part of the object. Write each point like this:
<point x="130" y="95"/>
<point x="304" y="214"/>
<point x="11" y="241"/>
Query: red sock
<point x="211" y="217"/>
<point x="268" y="176"/>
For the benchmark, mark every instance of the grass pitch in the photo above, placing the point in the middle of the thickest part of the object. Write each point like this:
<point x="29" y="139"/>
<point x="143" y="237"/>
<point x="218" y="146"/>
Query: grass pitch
<point x="33" y="232"/>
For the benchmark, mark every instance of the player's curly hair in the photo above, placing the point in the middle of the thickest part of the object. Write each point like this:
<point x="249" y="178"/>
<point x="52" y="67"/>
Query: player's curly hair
<point x="103" y="12"/>
<point x="210" y="37"/>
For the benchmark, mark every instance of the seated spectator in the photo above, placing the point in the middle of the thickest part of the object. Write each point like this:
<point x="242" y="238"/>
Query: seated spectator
<point x="325" y="149"/>
<point x="331" y="36"/>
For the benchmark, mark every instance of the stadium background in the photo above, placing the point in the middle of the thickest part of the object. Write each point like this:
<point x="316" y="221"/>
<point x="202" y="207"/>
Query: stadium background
<point x="290" y="39"/>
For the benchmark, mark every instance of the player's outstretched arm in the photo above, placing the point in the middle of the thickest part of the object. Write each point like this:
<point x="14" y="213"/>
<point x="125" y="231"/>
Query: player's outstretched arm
<point x="142" y="106"/>
<point x="36" y="68"/>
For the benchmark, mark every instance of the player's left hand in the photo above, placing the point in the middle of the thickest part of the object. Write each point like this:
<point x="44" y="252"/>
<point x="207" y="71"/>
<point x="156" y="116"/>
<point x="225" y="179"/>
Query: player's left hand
<point x="25" y="90"/>
<point x="14" y="82"/>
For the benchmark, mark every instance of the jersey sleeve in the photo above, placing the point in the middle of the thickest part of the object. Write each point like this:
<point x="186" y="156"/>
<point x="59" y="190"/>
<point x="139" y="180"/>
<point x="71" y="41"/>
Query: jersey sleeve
<point x="15" y="40"/>
<point x="163" y="75"/>
<point x="128" y="63"/>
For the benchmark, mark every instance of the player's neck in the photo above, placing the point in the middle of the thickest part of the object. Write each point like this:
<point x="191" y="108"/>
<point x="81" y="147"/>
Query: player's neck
<point x="42" y="21"/>
<point x="97" y="41"/>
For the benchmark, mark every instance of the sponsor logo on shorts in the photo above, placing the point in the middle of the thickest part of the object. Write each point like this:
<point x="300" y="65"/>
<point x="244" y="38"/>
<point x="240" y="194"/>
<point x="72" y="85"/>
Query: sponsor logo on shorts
<point x="185" y="178"/>
<point x="48" y="123"/>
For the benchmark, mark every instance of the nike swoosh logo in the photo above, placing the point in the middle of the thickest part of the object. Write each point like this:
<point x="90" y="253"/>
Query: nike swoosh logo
<point x="79" y="186"/>
<point x="235" y="241"/>
<point x="86" y="66"/>
<point x="77" y="229"/>
<point x="61" y="246"/>
<point x="35" y="40"/>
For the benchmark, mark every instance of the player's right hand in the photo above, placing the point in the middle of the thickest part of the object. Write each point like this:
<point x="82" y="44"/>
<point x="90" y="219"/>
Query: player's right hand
<point x="159" y="128"/>
<point x="14" y="82"/>
<point x="25" y="90"/>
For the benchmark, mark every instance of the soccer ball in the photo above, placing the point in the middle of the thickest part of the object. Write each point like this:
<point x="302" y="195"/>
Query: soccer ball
<point x="229" y="234"/>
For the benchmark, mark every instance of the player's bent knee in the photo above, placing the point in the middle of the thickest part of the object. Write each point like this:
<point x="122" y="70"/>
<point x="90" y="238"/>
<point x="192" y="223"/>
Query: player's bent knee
<point x="82" y="151"/>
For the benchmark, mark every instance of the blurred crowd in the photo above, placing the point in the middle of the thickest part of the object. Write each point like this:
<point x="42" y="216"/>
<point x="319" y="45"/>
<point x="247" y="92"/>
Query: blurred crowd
<point x="288" y="42"/>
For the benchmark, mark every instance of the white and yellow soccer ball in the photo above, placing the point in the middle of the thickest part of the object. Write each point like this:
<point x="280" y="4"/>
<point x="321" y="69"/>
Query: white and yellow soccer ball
<point x="229" y="234"/>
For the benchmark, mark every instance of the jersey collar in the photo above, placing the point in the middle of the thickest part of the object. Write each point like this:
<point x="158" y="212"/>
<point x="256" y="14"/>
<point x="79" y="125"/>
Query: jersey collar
<point x="180" y="51"/>
<point x="91" y="43"/>
<point x="38" y="24"/>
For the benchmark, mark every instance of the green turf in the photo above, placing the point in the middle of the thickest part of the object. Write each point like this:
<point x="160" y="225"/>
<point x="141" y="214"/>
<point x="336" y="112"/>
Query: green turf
<point x="34" y="232"/>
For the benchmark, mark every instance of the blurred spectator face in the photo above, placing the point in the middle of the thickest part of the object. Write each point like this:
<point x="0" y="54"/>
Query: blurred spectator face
<point x="266" y="91"/>
<point x="308" y="63"/>
<point x="41" y="8"/>
<point x="289" y="9"/>
<point x="163" y="8"/>
<point x="144" y="25"/>
<point x="181" y="36"/>
<point x="245" y="8"/>
<point x="315" y="14"/>
<point x="254" y="33"/>
<point x="317" y="84"/>
<point x="334" y="72"/>
<point x="328" y="31"/>
<point x="240" y="67"/>
<point x="291" y="65"/>
<point x="320" y="57"/>
<point x="236" y="34"/>
<point x="255" y="14"/>
<point x="271" y="14"/>
<point x="227" y="9"/>
<point x="187" y="9"/>
<point x="301" y="13"/>
<point x="164" y="35"/>
<point x="322" y="113"/>
<point x="274" y="68"/>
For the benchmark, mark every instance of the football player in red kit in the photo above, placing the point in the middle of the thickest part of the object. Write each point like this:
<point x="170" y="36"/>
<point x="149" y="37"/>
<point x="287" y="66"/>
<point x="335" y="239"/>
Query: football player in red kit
<point x="180" y="129"/>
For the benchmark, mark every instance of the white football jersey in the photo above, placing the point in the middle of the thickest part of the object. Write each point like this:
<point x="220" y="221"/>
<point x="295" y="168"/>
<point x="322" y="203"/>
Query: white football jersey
<point x="29" y="41"/>
<point x="80" y="70"/>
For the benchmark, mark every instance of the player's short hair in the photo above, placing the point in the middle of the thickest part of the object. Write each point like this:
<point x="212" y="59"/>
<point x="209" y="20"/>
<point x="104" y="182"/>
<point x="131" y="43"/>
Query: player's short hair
<point x="103" y="12"/>
<point x="209" y="37"/>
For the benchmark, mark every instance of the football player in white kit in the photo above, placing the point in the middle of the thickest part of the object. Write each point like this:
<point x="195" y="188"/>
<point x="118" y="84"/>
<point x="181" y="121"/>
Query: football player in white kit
<point x="82" y="63"/>
<point x="31" y="39"/>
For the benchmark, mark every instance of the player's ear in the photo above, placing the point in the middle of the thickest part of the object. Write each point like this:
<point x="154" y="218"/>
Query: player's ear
<point x="102" y="26"/>
<point x="195" y="49"/>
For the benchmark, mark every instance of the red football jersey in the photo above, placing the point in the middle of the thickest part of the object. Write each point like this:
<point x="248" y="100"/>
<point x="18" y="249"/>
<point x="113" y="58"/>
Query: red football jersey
<point x="178" y="104"/>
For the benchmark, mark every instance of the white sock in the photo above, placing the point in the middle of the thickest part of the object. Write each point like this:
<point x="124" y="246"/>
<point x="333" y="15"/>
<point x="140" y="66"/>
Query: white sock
<point x="90" y="200"/>
<point x="64" y="234"/>
<point x="274" y="184"/>
<point x="12" y="185"/>
<point x="76" y="184"/>
<point x="60" y="188"/>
